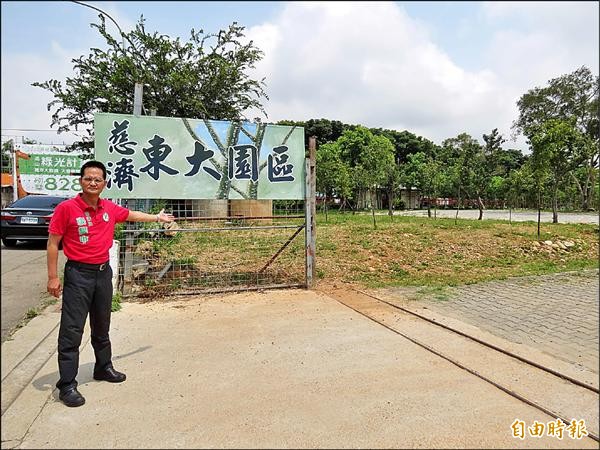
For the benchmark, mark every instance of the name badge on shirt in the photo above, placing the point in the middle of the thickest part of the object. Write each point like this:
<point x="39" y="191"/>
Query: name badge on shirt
<point x="105" y="217"/>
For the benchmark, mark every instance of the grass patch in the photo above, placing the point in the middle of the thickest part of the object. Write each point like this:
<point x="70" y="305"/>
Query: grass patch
<point x="437" y="293"/>
<point x="421" y="251"/>
<point x="403" y="251"/>
<point x="34" y="312"/>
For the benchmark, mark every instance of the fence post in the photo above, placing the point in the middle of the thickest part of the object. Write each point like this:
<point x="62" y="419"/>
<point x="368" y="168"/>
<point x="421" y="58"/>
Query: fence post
<point x="310" y="207"/>
<point x="129" y="237"/>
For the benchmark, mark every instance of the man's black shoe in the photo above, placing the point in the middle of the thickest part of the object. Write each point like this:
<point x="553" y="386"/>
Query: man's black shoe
<point x="71" y="397"/>
<point x="110" y="375"/>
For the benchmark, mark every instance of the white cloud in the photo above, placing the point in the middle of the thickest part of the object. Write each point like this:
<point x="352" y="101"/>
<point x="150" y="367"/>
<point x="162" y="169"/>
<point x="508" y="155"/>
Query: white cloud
<point x="371" y="64"/>
<point x="374" y="65"/>
<point x="25" y="106"/>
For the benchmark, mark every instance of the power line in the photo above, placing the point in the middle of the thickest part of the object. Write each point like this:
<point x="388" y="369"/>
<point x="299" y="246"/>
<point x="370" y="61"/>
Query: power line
<point x="35" y="129"/>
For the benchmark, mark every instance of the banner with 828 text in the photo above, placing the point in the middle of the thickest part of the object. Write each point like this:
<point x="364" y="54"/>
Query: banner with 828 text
<point x="49" y="169"/>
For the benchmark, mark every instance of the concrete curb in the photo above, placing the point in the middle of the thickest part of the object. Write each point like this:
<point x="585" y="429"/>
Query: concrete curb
<point x="31" y="351"/>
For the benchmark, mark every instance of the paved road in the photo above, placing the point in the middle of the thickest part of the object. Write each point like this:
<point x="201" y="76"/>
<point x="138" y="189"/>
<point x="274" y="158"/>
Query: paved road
<point x="504" y="214"/>
<point x="557" y="314"/>
<point x="23" y="282"/>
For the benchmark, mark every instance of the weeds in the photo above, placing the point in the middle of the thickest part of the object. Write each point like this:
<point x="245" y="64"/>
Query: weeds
<point x="116" y="302"/>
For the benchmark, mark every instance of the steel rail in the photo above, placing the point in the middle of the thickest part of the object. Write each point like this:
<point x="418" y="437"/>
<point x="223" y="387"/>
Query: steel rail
<point x="487" y="344"/>
<point x="471" y="371"/>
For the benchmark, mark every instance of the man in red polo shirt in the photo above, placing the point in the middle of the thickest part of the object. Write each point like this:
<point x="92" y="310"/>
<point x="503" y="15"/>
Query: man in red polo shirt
<point x="85" y="225"/>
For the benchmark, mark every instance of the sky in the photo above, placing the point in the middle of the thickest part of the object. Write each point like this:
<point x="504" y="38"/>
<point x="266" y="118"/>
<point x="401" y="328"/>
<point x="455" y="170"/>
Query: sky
<point x="436" y="69"/>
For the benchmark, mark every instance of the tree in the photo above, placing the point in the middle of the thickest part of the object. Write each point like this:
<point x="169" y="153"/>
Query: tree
<point x="353" y="142"/>
<point x="498" y="164"/>
<point x="7" y="148"/>
<point x="391" y="185"/>
<point x="468" y="163"/>
<point x="422" y="171"/>
<point x="518" y="184"/>
<point x="493" y="146"/>
<point x="333" y="177"/>
<point x="573" y="98"/>
<point x="557" y="150"/>
<point x="405" y="143"/>
<point x="369" y="158"/>
<point x="203" y="78"/>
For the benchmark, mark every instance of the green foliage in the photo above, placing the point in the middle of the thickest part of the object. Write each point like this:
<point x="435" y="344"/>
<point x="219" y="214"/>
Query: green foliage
<point x="558" y="148"/>
<point x="186" y="261"/>
<point x="116" y="302"/>
<point x="166" y="243"/>
<point x="438" y="293"/>
<point x="119" y="233"/>
<point x="31" y="313"/>
<point x="462" y="167"/>
<point x="205" y="77"/>
<point x="6" y="160"/>
<point x="424" y="172"/>
<point x="324" y="130"/>
<point x="468" y="168"/>
<point x="370" y="156"/>
<point x="333" y="175"/>
<point x="400" y="204"/>
<point x="572" y="98"/>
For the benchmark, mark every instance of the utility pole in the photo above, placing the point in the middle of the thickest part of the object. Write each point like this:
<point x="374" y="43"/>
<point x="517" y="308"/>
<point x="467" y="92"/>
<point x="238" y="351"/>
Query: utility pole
<point x="13" y="154"/>
<point x="106" y="14"/>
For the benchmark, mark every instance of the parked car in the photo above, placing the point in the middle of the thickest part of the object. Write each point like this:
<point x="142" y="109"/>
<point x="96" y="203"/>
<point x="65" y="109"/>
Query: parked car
<point x="27" y="218"/>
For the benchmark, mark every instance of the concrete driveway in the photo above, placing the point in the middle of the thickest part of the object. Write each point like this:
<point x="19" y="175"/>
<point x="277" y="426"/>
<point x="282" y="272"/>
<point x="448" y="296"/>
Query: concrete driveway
<point x="505" y="214"/>
<point x="277" y="369"/>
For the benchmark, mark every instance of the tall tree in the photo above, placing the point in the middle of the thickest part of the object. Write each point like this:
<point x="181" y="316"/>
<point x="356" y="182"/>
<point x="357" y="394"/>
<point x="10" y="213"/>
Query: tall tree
<point x="370" y="158"/>
<point x="324" y="130"/>
<point x="203" y="78"/>
<point x="468" y="160"/>
<point x="492" y="147"/>
<point x="333" y="178"/>
<point x="422" y="171"/>
<point x="574" y="98"/>
<point x="405" y="143"/>
<point x="557" y="150"/>
<point x="391" y="185"/>
<point x="373" y="168"/>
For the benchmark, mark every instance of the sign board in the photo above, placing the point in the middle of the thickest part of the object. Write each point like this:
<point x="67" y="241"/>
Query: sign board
<point x="176" y="158"/>
<point x="50" y="169"/>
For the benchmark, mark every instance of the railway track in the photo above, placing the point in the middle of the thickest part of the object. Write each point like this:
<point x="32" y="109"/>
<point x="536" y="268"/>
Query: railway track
<point x="553" y="393"/>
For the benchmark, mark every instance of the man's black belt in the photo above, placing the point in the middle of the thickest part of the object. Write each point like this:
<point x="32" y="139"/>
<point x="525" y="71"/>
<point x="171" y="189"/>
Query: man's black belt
<point x="96" y="267"/>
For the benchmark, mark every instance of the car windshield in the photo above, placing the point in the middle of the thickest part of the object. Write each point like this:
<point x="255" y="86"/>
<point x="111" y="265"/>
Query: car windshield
<point x="38" y="201"/>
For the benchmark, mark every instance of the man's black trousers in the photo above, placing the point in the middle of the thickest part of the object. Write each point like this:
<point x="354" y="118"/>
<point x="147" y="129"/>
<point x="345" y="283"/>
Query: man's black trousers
<point x="85" y="290"/>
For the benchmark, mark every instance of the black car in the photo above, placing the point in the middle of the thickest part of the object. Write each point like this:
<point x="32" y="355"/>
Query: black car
<point x="27" y="218"/>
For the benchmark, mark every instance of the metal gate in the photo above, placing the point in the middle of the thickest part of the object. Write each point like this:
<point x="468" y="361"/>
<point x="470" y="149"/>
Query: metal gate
<point x="219" y="245"/>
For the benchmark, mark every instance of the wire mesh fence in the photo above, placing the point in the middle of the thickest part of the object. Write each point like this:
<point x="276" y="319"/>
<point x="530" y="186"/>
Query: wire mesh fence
<point x="213" y="246"/>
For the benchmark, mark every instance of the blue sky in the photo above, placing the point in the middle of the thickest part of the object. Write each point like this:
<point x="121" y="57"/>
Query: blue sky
<point x="434" y="68"/>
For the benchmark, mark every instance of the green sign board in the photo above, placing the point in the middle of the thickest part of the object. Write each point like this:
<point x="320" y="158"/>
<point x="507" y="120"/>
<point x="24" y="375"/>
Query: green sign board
<point x="50" y="173"/>
<point x="174" y="158"/>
